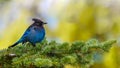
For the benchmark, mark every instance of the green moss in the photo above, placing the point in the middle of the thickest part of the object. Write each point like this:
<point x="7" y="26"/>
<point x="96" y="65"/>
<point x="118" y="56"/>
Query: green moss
<point x="53" y="54"/>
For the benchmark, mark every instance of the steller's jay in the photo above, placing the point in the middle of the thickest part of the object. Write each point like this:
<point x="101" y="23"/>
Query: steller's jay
<point x="35" y="33"/>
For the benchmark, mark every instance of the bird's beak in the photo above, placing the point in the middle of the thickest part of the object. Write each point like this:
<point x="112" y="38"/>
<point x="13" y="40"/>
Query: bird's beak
<point x="44" y="23"/>
<point x="34" y="19"/>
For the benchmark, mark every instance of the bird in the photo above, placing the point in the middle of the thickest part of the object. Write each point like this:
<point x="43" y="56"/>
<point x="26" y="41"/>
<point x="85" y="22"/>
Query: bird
<point x="35" y="33"/>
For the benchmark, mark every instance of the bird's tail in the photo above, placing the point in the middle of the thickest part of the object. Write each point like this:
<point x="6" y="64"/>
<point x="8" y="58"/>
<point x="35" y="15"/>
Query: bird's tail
<point x="14" y="44"/>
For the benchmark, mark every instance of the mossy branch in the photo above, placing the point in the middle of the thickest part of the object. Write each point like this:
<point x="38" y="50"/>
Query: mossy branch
<point x="53" y="54"/>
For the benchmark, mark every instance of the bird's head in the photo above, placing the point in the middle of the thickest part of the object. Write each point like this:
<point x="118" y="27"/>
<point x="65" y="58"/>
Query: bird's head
<point x="38" y="21"/>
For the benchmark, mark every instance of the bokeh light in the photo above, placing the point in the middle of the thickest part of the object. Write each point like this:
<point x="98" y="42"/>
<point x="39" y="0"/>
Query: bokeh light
<point x="68" y="21"/>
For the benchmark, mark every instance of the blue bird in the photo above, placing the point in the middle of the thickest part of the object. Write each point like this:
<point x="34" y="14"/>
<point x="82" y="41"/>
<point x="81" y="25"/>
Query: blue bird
<point x="35" y="33"/>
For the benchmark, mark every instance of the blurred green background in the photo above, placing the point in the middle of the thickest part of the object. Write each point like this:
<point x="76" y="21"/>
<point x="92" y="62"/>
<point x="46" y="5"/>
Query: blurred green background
<point x="68" y="21"/>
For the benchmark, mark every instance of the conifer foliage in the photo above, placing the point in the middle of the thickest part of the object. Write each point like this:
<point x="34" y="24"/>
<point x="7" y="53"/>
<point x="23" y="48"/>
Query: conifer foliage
<point x="53" y="54"/>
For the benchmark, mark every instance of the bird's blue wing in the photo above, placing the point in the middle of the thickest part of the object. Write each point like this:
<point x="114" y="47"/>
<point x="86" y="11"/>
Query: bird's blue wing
<point x="25" y="35"/>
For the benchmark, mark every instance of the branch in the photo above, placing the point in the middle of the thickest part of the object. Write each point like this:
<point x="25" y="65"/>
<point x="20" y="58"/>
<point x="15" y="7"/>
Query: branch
<point x="53" y="54"/>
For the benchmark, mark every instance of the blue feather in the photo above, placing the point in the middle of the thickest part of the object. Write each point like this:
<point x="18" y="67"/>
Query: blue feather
<point x="34" y="34"/>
